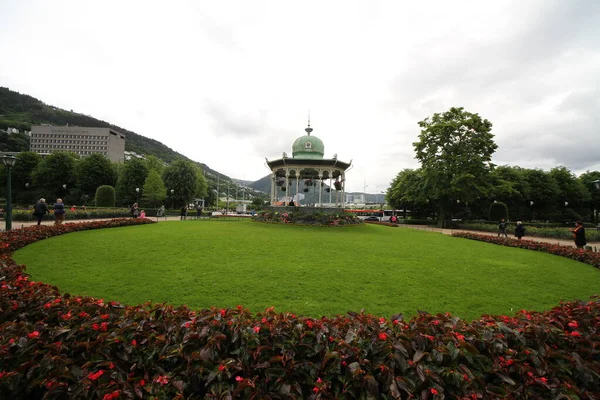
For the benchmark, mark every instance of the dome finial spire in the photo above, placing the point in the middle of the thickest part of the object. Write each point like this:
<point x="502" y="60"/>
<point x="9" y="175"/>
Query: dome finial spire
<point x="309" y="129"/>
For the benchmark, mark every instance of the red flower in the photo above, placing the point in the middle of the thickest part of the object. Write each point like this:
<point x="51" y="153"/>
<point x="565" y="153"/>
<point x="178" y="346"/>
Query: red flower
<point x="382" y="320"/>
<point x="223" y="312"/>
<point x="544" y="380"/>
<point x="95" y="375"/>
<point x="66" y="316"/>
<point x="83" y="314"/>
<point x="134" y="342"/>
<point x="256" y="329"/>
<point x="435" y="322"/>
<point x="33" y="334"/>
<point x="162" y="379"/>
<point x="111" y="366"/>
<point x="382" y="336"/>
<point x="319" y="380"/>
<point x="575" y="333"/>
<point x="142" y="383"/>
<point x="309" y="323"/>
<point x="239" y="378"/>
<point x="573" y="324"/>
<point x="111" y="396"/>
<point x="433" y="391"/>
<point x="104" y="316"/>
<point x="222" y="368"/>
<point x="459" y="336"/>
<point x="47" y="305"/>
<point x="316" y="389"/>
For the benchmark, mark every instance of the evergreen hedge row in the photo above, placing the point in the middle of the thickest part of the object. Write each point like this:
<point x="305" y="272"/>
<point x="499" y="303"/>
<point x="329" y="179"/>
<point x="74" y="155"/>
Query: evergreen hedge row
<point x="57" y="346"/>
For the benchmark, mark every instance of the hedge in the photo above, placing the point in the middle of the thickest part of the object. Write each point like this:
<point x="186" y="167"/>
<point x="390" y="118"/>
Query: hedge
<point x="89" y="213"/>
<point x="57" y="346"/>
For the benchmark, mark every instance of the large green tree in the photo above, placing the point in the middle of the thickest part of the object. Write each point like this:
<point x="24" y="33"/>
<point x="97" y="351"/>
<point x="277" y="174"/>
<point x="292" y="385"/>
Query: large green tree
<point x="201" y="184"/>
<point x="180" y="177"/>
<point x="22" y="177"/>
<point x="455" y="150"/>
<point x="408" y="191"/>
<point x="543" y="195"/>
<point x="131" y="176"/>
<point x="93" y="171"/>
<point x="588" y="179"/>
<point x="573" y="196"/>
<point x="54" y="171"/>
<point x="154" y="191"/>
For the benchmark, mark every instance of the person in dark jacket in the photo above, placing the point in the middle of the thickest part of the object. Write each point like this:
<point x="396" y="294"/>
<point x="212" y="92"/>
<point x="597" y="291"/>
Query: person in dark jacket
<point x="519" y="230"/>
<point x="40" y="209"/>
<point x="198" y="212"/>
<point x="135" y="210"/>
<point x="59" y="212"/>
<point x="183" y="212"/>
<point x="579" y="235"/>
<point x="502" y="228"/>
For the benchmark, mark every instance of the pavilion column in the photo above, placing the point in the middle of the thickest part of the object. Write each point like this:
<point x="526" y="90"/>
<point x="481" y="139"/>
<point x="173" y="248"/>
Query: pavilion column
<point x="297" y="186"/>
<point x="321" y="188"/>
<point x="330" y="175"/>
<point x="273" y="187"/>
<point x="343" y="190"/>
<point x="287" y="186"/>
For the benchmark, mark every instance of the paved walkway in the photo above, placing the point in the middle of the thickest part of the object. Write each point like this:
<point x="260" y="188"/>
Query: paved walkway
<point x="596" y="245"/>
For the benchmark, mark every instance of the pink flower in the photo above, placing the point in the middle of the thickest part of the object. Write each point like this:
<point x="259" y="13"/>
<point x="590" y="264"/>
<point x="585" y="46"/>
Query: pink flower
<point x="256" y="329"/>
<point x="239" y="378"/>
<point x="162" y="379"/>
<point x="33" y="334"/>
<point x="316" y="389"/>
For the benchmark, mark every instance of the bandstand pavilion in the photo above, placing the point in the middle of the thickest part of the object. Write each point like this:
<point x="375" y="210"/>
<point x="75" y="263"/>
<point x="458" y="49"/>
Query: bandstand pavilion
<point x="307" y="169"/>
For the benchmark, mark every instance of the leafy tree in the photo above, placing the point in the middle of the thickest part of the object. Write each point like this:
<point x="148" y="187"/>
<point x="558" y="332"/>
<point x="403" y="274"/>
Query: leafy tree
<point x="257" y="203"/>
<point x="93" y="171"/>
<point x="544" y="193"/>
<point x="54" y="171"/>
<point x="407" y="190"/>
<point x="132" y="175"/>
<point x="573" y="192"/>
<point x="455" y="150"/>
<point x="201" y="184"/>
<point x="587" y="180"/>
<point x="154" y="191"/>
<point x="105" y="196"/>
<point x="155" y="163"/>
<point x="181" y="177"/>
<point x="21" y="175"/>
<point x="510" y="187"/>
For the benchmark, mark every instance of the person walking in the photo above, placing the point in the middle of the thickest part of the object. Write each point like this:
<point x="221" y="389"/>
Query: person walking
<point x="135" y="210"/>
<point x="519" y="230"/>
<point x="502" y="228"/>
<point x="198" y="211"/>
<point x="40" y="209"/>
<point x="59" y="212"/>
<point x="579" y="235"/>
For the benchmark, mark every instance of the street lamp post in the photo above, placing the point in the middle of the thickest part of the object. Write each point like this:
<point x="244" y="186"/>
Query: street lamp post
<point x="227" y="209"/>
<point x="172" y="200"/>
<point x="137" y="194"/>
<point x="597" y="186"/>
<point x="8" y="161"/>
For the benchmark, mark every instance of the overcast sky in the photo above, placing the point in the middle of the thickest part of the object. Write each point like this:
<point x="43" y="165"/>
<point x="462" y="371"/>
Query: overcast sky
<point x="229" y="83"/>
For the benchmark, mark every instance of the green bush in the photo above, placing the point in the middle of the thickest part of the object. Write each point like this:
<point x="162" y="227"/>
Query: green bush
<point x="498" y="210"/>
<point x="564" y="232"/>
<point x="88" y="213"/>
<point x="105" y="196"/>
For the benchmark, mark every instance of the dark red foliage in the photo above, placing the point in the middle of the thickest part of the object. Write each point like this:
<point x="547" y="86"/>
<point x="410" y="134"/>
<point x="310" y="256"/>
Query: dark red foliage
<point x="58" y="346"/>
<point x="585" y="256"/>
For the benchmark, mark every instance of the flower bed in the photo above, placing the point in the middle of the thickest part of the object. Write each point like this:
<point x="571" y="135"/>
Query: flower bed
<point x="586" y="256"/>
<point x="54" y="345"/>
<point x="563" y="232"/>
<point x="300" y="218"/>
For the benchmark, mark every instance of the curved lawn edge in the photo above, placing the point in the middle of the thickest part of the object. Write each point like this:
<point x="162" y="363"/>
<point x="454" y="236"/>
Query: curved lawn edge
<point x="585" y="256"/>
<point x="52" y="344"/>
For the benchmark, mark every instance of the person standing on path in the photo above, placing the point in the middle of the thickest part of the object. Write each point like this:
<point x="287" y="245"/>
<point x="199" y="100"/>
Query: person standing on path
<point x="183" y="212"/>
<point x="135" y="210"/>
<point x="502" y="228"/>
<point x="519" y="230"/>
<point x="579" y="235"/>
<point x="59" y="212"/>
<point x="198" y="211"/>
<point x="40" y="209"/>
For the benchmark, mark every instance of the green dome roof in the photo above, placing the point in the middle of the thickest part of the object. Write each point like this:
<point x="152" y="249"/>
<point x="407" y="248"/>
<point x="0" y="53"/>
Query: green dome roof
<point x="308" y="147"/>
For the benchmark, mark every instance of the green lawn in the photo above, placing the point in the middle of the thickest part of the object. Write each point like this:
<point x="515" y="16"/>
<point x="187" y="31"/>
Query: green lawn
<point x="306" y="270"/>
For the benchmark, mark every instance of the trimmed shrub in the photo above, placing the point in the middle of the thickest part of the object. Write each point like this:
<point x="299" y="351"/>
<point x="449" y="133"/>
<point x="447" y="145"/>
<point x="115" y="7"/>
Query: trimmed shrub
<point x="54" y="345"/>
<point x="105" y="196"/>
<point x="498" y="210"/>
<point x="89" y="213"/>
<point x="300" y="218"/>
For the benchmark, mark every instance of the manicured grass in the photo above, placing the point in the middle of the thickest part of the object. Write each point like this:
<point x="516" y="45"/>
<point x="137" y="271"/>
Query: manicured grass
<point x="307" y="270"/>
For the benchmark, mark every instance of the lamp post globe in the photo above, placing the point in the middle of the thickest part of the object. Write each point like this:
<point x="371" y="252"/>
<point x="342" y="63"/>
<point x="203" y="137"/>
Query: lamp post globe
<point x="8" y="161"/>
